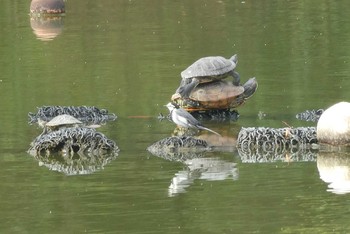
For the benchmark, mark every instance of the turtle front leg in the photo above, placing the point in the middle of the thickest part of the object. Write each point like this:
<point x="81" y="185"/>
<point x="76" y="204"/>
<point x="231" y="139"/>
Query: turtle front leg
<point x="236" y="78"/>
<point x="182" y="84"/>
<point x="185" y="90"/>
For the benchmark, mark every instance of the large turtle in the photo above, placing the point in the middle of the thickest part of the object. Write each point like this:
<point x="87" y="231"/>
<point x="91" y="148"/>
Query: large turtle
<point x="205" y="70"/>
<point x="217" y="95"/>
<point x="60" y="121"/>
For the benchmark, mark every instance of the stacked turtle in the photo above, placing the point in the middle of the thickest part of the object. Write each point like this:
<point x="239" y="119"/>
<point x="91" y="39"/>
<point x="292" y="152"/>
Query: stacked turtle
<point x="202" y="87"/>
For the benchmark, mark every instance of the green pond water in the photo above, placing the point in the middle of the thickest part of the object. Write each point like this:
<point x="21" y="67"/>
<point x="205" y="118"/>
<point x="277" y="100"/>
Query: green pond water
<point x="126" y="56"/>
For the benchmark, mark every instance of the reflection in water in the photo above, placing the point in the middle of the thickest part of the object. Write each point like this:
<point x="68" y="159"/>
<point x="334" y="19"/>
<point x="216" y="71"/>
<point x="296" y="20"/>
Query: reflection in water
<point x="78" y="164"/>
<point x="184" y="147"/>
<point x="274" y="144"/>
<point x="202" y="168"/>
<point x="223" y="143"/>
<point x="334" y="169"/>
<point x="46" y="28"/>
<point x="261" y="155"/>
<point x="179" y="148"/>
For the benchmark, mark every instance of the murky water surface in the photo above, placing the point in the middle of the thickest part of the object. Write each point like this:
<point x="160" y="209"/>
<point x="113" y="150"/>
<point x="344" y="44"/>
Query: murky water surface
<point x="126" y="56"/>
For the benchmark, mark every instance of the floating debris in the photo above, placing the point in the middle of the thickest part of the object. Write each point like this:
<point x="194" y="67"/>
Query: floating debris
<point x="310" y="115"/>
<point x="86" y="114"/>
<point x="179" y="148"/>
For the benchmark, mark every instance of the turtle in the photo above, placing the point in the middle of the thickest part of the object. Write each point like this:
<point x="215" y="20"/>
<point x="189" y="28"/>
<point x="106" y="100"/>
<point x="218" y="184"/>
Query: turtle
<point x="218" y="95"/>
<point x="205" y="70"/>
<point x="60" y="121"/>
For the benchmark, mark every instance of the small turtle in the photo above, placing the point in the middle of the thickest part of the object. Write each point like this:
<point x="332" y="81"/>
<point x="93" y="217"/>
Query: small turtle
<point x="205" y="70"/>
<point x="217" y="95"/>
<point x="59" y="122"/>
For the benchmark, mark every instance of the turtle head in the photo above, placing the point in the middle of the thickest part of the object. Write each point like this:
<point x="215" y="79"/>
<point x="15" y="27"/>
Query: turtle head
<point x="42" y="123"/>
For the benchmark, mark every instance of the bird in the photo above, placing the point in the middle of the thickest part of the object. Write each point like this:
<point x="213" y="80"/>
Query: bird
<point x="184" y="119"/>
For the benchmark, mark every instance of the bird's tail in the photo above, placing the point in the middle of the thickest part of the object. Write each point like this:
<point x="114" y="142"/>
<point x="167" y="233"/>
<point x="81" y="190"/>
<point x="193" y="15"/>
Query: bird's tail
<point x="204" y="128"/>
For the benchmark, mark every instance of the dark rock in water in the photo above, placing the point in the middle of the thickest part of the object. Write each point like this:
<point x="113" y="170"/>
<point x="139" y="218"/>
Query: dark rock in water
<point x="310" y="115"/>
<point x="73" y="151"/>
<point x="277" y="137"/>
<point x="179" y="148"/>
<point x="216" y="115"/>
<point x="271" y="144"/>
<point x="47" y="7"/>
<point x="86" y="114"/>
<point x="67" y="141"/>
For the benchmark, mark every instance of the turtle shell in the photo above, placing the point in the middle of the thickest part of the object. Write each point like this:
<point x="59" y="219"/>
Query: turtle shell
<point x="217" y="95"/>
<point x="62" y="120"/>
<point x="214" y="95"/>
<point x="210" y="68"/>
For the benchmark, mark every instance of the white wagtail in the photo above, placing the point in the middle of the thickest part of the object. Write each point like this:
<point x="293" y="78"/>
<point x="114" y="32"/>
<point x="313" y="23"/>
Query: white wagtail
<point x="184" y="119"/>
